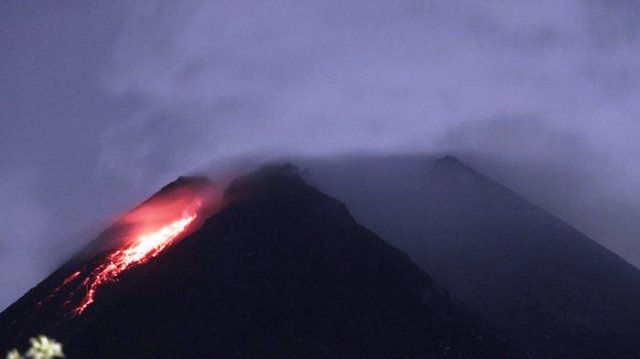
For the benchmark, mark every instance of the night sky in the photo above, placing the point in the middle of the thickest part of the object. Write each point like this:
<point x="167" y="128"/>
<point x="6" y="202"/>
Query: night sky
<point x="103" y="102"/>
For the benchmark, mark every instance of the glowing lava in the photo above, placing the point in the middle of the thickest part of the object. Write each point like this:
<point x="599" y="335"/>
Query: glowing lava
<point x="142" y="249"/>
<point x="136" y="238"/>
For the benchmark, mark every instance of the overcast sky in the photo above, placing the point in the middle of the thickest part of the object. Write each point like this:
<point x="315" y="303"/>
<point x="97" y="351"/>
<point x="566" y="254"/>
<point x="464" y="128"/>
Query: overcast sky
<point x="102" y="102"/>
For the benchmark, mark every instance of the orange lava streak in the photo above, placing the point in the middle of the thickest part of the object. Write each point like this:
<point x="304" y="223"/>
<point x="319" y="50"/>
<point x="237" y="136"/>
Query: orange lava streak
<point x="143" y="248"/>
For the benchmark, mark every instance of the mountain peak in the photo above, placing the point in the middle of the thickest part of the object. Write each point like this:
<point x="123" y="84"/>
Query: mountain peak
<point x="267" y="181"/>
<point x="187" y="181"/>
<point x="453" y="164"/>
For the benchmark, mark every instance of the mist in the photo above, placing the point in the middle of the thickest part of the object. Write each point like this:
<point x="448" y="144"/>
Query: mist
<point x="105" y="105"/>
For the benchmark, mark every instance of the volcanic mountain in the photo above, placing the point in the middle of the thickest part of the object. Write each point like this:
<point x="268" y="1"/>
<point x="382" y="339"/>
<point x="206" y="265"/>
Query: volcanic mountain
<point x="271" y="269"/>
<point x="551" y="290"/>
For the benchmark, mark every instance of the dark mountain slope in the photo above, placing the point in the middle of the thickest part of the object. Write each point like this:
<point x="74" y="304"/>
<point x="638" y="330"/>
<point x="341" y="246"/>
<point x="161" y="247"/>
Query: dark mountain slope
<point x="550" y="289"/>
<point x="282" y="271"/>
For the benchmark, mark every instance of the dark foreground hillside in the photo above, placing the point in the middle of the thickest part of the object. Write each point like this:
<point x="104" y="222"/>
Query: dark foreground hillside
<point x="550" y="290"/>
<point x="282" y="271"/>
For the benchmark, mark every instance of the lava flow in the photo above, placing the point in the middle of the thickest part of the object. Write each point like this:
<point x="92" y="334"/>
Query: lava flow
<point x="142" y="249"/>
<point x="145" y="233"/>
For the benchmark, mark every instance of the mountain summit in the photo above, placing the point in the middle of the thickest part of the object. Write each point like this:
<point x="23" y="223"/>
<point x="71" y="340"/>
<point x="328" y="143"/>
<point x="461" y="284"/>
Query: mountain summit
<point x="277" y="270"/>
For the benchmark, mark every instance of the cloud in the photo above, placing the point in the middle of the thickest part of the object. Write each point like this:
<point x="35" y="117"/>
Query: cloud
<point x="547" y="89"/>
<point x="219" y="79"/>
<point x="549" y="86"/>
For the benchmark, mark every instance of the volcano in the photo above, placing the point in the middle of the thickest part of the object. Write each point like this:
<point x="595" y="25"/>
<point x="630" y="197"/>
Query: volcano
<point x="269" y="268"/>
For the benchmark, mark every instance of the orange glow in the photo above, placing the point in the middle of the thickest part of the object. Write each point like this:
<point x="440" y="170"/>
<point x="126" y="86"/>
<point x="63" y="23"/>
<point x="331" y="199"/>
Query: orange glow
<point x="136" y="238"/>
<point x="143" y="248"/>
